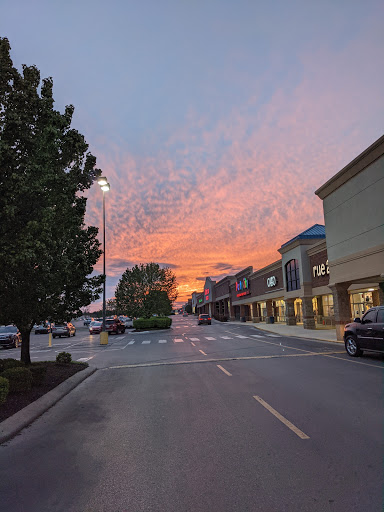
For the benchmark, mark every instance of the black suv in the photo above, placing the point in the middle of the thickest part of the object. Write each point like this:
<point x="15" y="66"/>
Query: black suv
<point x="365" y="334"/>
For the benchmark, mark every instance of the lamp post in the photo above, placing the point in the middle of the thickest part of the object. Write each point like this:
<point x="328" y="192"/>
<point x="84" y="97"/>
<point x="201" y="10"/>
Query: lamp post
<point x="104" y="185"/>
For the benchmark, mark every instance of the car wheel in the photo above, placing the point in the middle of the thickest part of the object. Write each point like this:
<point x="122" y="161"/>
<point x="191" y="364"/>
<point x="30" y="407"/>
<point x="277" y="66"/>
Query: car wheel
<point x="351" y="346"/>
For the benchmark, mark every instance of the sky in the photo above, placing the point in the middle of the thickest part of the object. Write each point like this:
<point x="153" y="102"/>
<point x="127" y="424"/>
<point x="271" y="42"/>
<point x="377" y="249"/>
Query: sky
<point x="213" y="120"/>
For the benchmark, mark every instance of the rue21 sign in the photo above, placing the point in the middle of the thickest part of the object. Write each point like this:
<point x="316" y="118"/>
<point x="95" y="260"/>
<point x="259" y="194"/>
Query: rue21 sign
<point x="242" y="286"/>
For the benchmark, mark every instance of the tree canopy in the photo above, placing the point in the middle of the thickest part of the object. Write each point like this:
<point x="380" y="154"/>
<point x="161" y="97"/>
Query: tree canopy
<point x="146" y="289"/>
<point x="46" y="251"/>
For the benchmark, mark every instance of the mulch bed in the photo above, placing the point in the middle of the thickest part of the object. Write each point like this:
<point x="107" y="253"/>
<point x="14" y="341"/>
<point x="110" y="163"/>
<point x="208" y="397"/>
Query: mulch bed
<point x="56" y="374"/>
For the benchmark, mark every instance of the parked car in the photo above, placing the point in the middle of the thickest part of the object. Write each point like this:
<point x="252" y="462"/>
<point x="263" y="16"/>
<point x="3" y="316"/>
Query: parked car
<point x="185" y="313"/>
<point x="63" y="329"/>
<point x="366" y="334"/>
<point x="43" y="329"/>
<point x="204" y="319"/>
<point x="95" y="327"/>
<point x="87" y="321"/>
<point x="10" y="336"/>
<point x="114" y="326"/>
<point x="128" y="322"/>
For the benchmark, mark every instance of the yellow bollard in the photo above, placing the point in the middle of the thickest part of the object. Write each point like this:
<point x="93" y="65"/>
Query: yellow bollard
<point x="50" y="339"/>
<point x="103" y="338"/>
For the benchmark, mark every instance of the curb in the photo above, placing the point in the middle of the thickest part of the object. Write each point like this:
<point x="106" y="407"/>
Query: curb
<point x="298" y="336"/>
<point x="14" y="424"/>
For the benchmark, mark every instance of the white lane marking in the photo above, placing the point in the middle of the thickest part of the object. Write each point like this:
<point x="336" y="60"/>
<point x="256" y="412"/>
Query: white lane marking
<point x="226" y="338"/>
<point x="194" y="339"/>
<point x="84" y="359"/>
<point x="224" y="370"/>
<point x="286" y="422"/>
<point x="274" y="335"/>
<point x="210" y="339"/>
<point x="257" y="335"/>
<point x="120" y="338"/>
<point x="203" y="352"/>
<point x="193" y="344"/>
<point x="126" y="346"/>
<point x="131" y="342"/>
<point x="146" y="342"/>
<point x="240" y="336"/>
<point x="162" y="341"/>
<point x="178" y="340"/>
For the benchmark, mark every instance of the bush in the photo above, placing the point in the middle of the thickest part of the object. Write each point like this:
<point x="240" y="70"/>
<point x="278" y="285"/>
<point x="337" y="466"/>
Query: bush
<point x="221" y="318"/>
<point x="64" y="358"/>
<point x="20" y="379"/>
<point x="4" y="389"/>
<point x="39" y="372"/>
<point x="159" y="322"/>
<point x="7" y="363"/>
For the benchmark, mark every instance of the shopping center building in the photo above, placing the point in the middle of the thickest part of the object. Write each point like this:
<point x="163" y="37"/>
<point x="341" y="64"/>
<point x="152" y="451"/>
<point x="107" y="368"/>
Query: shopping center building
<point x="327" y="275"/>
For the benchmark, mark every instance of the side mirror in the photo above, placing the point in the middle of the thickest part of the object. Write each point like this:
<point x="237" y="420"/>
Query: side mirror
<point x="357" y="320"/>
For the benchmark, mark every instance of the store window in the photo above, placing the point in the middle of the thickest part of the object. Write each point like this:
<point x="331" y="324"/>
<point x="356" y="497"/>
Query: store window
<point x="328" y="309"/>
<point x="279" y="310"/>
<point x="292" y="273"/>
<point x="360" y="303"/>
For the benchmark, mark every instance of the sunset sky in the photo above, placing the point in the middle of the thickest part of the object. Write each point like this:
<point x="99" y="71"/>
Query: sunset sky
<point x="214" y="120"/>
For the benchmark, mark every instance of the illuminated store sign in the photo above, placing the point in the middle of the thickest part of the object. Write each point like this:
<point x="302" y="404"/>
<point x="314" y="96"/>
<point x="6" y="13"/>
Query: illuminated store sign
<point x="271" y="281"/>
<point x="242" y="286"/>
<point x="206" y="293"/>
<point x="320" y="270"/>
<point x="200" y="300"/>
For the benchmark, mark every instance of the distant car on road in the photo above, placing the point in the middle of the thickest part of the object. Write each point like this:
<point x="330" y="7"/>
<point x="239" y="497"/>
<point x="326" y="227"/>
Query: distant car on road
<point x="185" y="313"/>
<point x="63" y="329"/>
<point x="10" y="336"/>
<point x="366" y="334"/>
<point x="204" y="319"/>
<point x="43" y="329"/>
<point x="95" y="327"/>
<point x="114" y="326"/>
<point x="87" y="321"/>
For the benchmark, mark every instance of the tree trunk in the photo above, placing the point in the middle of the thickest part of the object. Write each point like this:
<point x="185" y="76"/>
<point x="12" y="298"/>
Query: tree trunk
<point x="25" y="336"/>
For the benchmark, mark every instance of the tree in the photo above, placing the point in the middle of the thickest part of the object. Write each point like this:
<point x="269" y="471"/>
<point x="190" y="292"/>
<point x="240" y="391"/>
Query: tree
<point x="146" y="289"/>
<point x="111" y="307"/>
<point x="188" y="308"/>
<point x="46" y="251"/>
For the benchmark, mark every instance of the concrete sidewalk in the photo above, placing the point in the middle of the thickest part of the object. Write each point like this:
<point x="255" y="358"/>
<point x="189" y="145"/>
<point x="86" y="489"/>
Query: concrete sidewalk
<point x="296" y="331"/>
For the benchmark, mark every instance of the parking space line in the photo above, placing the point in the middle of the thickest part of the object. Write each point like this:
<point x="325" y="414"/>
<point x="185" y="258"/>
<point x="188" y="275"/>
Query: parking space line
<point x="203" y="352"/>
<point x="193" y="344"/>
<point x="224" y="370"/>
<point x="286" y="422"/>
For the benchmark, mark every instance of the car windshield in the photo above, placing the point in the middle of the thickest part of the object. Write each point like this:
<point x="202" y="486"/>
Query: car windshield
<point x="96" y="324"/>
<point x="8" y="328"/>
<point x="109" y="322"/>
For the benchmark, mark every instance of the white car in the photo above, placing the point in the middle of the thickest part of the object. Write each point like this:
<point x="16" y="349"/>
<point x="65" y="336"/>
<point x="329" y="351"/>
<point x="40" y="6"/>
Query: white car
<point x="128" y="322"/>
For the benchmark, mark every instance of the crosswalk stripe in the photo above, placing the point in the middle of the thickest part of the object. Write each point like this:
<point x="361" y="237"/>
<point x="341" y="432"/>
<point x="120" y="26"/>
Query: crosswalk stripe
<point x="131" y="342"/>
<point x="226" y="338"/>
<point x="162" y="341"/>
<point x="240" y="336"/>
<point x="273" y="335"/>
<point x="208" y="338"/>
<point x="257" y="335"/>
<point x="146" y="342"/>
<point x="194" y="339"/>
<point x="178" y="340"/>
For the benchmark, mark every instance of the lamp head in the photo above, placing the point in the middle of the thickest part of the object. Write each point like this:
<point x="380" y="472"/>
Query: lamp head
<point x="102" y="181"/>
<point x="105" y="187"/>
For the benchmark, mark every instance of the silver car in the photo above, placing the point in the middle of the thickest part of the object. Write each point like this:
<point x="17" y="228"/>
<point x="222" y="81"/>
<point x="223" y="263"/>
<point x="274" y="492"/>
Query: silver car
<point x="63" y="329"/>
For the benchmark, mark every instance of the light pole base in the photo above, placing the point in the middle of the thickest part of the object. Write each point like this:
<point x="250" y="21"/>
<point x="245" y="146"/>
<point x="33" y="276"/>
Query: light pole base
<point x="103" y="338"/>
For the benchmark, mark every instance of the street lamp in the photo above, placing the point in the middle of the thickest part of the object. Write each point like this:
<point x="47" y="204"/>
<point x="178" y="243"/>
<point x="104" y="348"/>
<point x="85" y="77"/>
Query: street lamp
<point x="104" y="185"/>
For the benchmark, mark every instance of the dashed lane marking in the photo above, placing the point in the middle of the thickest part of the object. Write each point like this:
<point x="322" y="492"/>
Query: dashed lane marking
<point x="162" y="341"/>
<point x="203" y="352"/>
<point x="146" y="342"/>
<point x="224" y="370"/>
<point x="226" y="338"/>
<point x="240" y="336"/>
<point x="286" y="422"/>
<point x="194" y="339"/>
<point x="209" y="338"/>
<point x="131" y="342"/>
<point x="193" y="344"/>
<point x="178" y="340"/>
<point x="274" y="335"/>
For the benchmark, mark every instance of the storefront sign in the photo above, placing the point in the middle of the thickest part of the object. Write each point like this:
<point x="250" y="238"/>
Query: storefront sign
<point x="243" y="287"/>
<point x="206" y="293"/>
<point x="200" y="300"/>
<point x="320" y="270"/>
<point x="271" y="281"/>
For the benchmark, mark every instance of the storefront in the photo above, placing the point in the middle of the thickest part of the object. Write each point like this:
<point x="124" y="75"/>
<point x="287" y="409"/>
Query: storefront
<point x="222" y="293"/>
<point x="354" y="212"/>
<point x="268" y="294"/>
<point x="241" y="295"/>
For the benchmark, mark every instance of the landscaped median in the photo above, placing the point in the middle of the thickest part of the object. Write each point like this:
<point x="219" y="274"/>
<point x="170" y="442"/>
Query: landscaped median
<point x="26" y="392"/>
<point x="153" y="323"/>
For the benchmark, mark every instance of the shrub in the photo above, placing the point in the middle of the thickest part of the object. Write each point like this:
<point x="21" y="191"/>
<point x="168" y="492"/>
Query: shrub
<point x="39" y="372"/>
<point x="20" y="379"/>
<point x="64" y="358"/>
<point x="7" y="363"/>
<point x="159" y="322"/>
<point x="162" y="322"/>
<point x="4" y="389"/>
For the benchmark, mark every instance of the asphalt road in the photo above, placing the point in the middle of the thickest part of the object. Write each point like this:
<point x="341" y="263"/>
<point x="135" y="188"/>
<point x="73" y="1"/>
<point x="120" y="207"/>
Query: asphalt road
<point x="203" y="418"/>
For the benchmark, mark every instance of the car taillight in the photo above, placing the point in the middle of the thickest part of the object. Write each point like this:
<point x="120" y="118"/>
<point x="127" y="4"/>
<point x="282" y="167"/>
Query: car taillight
<point x="208" y="318"/>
